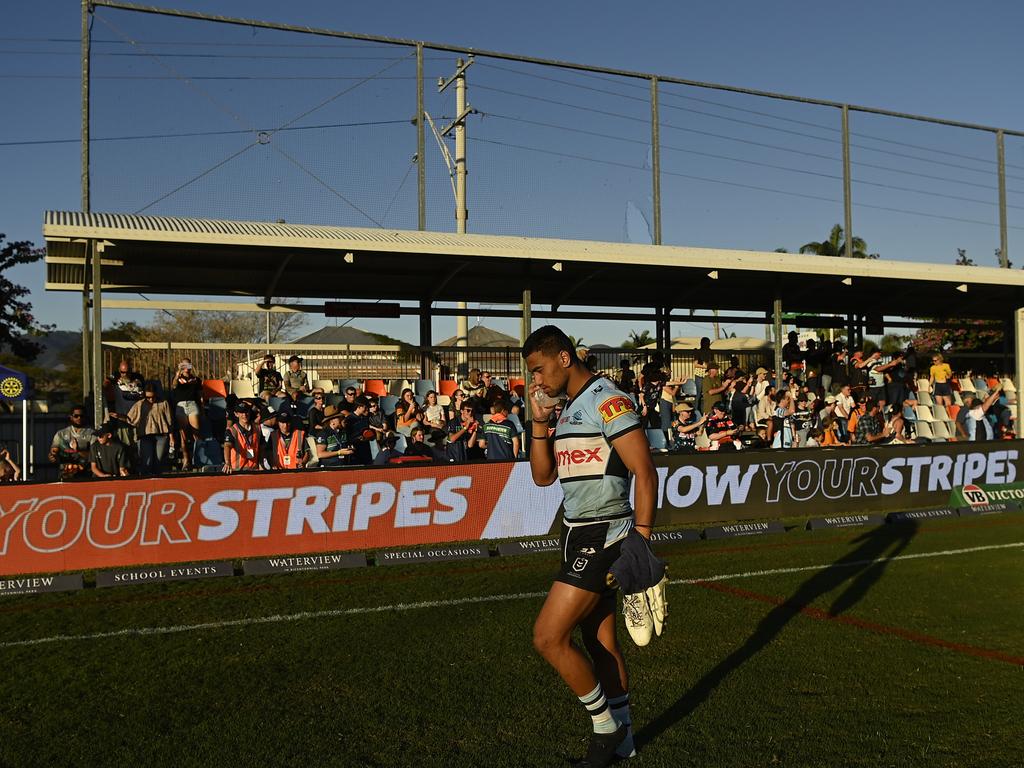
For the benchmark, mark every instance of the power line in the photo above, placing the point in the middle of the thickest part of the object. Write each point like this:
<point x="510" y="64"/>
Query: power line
<point x="257" y="57"/>
<point x="314" y="78"/>
<point x="187" y="43"/>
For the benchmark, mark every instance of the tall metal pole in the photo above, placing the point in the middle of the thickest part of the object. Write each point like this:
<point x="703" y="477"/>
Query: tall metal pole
<point x="461" y="213"/>
<point x="777" y="327"/>
<point x="525" y="329"/>
<point x="656" y="160"/>
<point x="97" y="335"/>
<point x="86" y="201"/>
<point x="847" y="194"/>
<point x="421" y="160"/>
<point x="1004" y="254"/>
<point x="1019" y="352"/>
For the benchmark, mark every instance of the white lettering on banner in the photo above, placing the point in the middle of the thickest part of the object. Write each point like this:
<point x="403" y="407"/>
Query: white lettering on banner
<point x="265" y="498"/>
<point x="958" y="470"/>
<point x="938" y="474"/>
<point x="104" y="535"/>
<point x="893" y="478"/>
<point x="374" y="500"/>
<point x="916" y="464"/>
<point x="297" y="562"/>
<point x="216" y="511"/>
<point x="804" y="480"/>
<point x="343" y="507"/>
<point x="835" y="478"/>
<point x="30" y="583"/>
<point x="307" y="507"/>
<point x="8" y="519"/>
<point x="456" y="503"/>
<point x="412" y="495"/>
<point x="66" y="512"/>
<point x="165" y="517"/>
<point x="696" y="477"/>
<point x="731" y="482"/>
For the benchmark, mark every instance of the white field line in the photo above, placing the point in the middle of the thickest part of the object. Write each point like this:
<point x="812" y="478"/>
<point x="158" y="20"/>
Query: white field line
<point x="397" y="607"/>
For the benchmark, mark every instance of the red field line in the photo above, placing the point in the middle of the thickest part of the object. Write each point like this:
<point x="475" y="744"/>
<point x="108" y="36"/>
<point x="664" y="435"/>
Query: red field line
<point x="870" y="626"/>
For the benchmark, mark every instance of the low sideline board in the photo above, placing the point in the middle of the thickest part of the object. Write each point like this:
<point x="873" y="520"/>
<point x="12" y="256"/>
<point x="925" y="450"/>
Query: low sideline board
<point x="54" y="527"/>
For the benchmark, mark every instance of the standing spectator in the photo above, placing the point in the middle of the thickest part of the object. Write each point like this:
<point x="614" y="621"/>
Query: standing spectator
<point x="70" y="446"/>
<point x="359" y="433"/>
<point x="124" y="389"/>
<point x="462" y="432"/>
<point x="286" y="448"/>
<point x="896" y="381"/>
<point x="332" y="446"/>
<point x="826" y="354"/>
<point x="185" y="396"/>
<point x="667" y="406"/>
<point x="701" y="361"/>
<point x="627" y="379"/>
<point x="741" y="404"/>
<point x="793" y="356"/>
<point x="813" y="361"/>
<point x="782" y="431"/>
<point x="243" y="444"/>
<point x="869" y="430"/>
<point x="499" y="435"/>
<point x="712" y="386"/>
<point x="650" y="392"/>
<point x="939" y="377"/>
<point x="107" y="456"/>
<point x="10" y="472"/>
<point x="844" y="409"/>
<point x="266" y="418"/>
<point x="840" y="370"/>
<point x="315" y="415"/>
<point x="720" y="429"/>
<point x="407" y="413"/>
<point x="153" y="423"/>
<point x="295" y="380"/>
<point x="268" y="378"/>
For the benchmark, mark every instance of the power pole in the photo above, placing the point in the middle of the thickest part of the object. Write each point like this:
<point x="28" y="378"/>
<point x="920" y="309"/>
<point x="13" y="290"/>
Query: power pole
<point x="461" y="212"/>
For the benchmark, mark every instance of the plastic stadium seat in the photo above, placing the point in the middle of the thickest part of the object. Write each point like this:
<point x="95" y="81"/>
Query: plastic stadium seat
<point x="657" y="439"/>
<point x="957" y="400"/>
<point x="325" y="384"/>
<point x="980" y="385"/>
<point x="346" y="383"/>
<point x="966" y="385"/>
<point x="689" y="388"/>
<point x="276" y="403"/>
<point x="515" y="422"/>
<point x="333" y="398"/>
<point x="924" y="429"/>
<point x="444" y="400"/>
<point x="387" y="404"/>
<point x="1008" y="385"/>
<point x="940" y="432"/>
<point x="923" y="385"/>
<point x="214" y="388"/>
<point x="397" y="385"/>
<point x="375" y="387"/>
<point x="953" y="411"/>
<point x="401" y="443"/>
<point x="518" y="386"/>
<point x="242" y="389"/>
<point x="314" y="461"/>
<point x="447" y="387"/>
<point x="924" y="413"/>
<point x="923" y="398"/>
<point x="421" y="387"/>
<point x="908" y="413"/>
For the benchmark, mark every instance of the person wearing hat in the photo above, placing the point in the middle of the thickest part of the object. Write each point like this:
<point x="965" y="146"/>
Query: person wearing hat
<point x="712" y="386"/>
<point x="286" y="447"/>
<point x="803" y="418"/>
<point x="667" y="404"/>
<point x="243" y="442"/>
<point x="720" y="428"/>
<point x="268" y="378"/>
<point x="687" y="428"/>
<point x="295" y="380"/>
<point x="332" y="445"/>
<point x="108" y="456"/>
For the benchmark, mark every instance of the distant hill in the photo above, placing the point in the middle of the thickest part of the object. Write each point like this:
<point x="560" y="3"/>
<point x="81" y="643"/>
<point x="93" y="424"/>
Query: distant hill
<point x="54" y="344"/>
<point x="346" y="334"/>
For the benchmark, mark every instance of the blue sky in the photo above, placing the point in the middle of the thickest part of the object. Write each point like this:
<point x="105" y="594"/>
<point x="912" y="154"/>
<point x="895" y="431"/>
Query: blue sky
<point x="554" y="153"/>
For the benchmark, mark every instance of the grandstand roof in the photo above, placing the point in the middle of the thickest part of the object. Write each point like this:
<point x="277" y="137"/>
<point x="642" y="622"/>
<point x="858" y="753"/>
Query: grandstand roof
<point x="157" y="254"/>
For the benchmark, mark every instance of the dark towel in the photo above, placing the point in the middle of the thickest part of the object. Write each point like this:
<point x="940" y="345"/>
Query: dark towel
<point x="637" y="568"/>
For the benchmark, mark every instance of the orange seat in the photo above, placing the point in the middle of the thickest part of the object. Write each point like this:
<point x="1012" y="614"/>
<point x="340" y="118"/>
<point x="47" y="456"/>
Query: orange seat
<point x="214" y="388"/>
<point x="375" y="387"/>
<point x="447" y="387"/>
<point x="518" y="386"/>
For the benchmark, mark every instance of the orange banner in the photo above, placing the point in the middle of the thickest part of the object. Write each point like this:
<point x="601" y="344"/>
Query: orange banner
<point x="65" y="526"/>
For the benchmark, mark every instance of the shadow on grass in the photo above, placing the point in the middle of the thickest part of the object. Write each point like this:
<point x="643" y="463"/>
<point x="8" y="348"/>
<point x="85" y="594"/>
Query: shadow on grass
<point x="859" y="570"/>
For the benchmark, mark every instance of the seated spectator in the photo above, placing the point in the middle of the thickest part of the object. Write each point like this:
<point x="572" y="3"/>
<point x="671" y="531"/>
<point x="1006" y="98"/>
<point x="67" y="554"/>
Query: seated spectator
<point x="153" y="422"/>
<point x="388" y="450"/>
<point x="243" y="444"/>
<point x="348" y="402"/>
<point x="286" y="448"/>
<point x="417" y="444"/>
<point x="869" y="429"/>
<point x="266" y="417"/>
<point x="455" y="406"/>
<point x="377" y="421"/>
<point x="462" y="432"/>
<point x="315" y="415"/>
<point x="972" y="422"/>
<point x="10" y="472"/>
<point x="474" y="385"/>
<point x="433" y="414"/>
<point x="107" y="456"/>
<point x="70" y="446"/>
<point x="186" y="394"/>
<point x="687" y="428"/>
<point x="814" y="438"/>
<point x="499" y="435"/>
<point x="359" y="433"/>
<point x="720" y="429"/>
<point x="268" y="378"/>
<point x="782" y="432"/>
<point x="332" y="446"/>
<point x="492" y="392"/>
<point x="295" y="380"/>
<point x="407" y="413"/>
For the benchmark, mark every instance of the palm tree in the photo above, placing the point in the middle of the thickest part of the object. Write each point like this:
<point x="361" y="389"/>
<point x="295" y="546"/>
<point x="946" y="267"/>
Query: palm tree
<point x="637" y="340"/>
<point x="835" y="245"/>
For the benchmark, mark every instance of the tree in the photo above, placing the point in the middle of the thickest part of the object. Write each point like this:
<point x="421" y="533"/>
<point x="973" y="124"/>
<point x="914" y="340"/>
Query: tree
<point x="835" y="245"/>
<point x="637" y="340"/>
<point x="962" y="259"/>
<point x="892" y="343"/>
<point x="210" y="327"/>
<point x="17" y="324"/>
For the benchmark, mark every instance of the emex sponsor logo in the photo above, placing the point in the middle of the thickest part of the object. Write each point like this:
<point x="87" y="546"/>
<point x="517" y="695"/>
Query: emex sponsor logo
<point x="578" y="456"/>
<point x="614" y="407"/>
<point x="581" y="456"/>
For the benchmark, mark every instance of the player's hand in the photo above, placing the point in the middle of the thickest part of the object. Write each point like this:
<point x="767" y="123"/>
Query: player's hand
<point x="543" y="406"/>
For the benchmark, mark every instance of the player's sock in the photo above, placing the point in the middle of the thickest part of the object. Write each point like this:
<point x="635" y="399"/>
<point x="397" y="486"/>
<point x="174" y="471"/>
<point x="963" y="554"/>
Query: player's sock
<point x="620" y="711"/>
<point x="600" y="712"/>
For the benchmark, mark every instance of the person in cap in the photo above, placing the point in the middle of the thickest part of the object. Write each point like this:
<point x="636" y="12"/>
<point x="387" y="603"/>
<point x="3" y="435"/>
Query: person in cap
<point x="720" y="428"/>
<point x="286" y="448"/>
<point x="295" y="380"/>
<point x="687" y="427"/>
<point x="332" y="445"/>
<point x="712" y="387"/>
<point x="107" y="455"/>
<point x="268" y="378"/>
<point x="243" y="442"/>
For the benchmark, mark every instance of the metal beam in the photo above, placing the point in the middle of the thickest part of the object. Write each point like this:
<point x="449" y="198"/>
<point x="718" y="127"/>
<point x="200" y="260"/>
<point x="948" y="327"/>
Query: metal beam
<point x="571" y="290"/>
<point x="272" y="285"/>
<point x="447" y="279"/>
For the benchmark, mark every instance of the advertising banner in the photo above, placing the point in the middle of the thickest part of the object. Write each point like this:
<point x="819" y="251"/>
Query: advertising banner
<point x="82" y="525"/>
<point x="705" y="487"/>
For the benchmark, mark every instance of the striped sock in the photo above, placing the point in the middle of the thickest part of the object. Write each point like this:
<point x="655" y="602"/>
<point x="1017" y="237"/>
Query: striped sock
<point x="620" y="711"/>
<point x="597" y="707"/>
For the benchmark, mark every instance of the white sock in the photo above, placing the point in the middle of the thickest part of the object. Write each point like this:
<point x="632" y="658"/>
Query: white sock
<point x="600" y="713"/>
<point x="620" y="711"/>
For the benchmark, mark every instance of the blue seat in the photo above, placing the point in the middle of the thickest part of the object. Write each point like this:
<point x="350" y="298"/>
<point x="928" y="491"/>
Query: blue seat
<point x="276" y="402"/>
<point x="689" y="388"/>
<point x="387" y="404"/>
<point x="515" y="422"/>
<point x="657" y="439"/>
<point x="346" y="383"/>
<point x="400" y="443"/>
<point x="421" y="387"/>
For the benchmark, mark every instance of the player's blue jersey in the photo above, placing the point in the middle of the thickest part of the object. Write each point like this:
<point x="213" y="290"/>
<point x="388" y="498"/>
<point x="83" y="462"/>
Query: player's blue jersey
<point x="594" y="479"/>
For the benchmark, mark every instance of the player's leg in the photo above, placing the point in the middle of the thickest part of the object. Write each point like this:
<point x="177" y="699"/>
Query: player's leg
<point x="601" y="641"/>
<point x="565" y="607"/>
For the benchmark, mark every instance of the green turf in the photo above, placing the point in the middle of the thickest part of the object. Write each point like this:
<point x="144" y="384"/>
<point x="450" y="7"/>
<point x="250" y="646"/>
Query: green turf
<point x="738" y="680"/>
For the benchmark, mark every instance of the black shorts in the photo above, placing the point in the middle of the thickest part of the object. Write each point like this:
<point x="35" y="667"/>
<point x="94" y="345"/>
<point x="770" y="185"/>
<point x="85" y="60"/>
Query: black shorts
<point x="942" y="389"/>
<point x="585" y="558"/>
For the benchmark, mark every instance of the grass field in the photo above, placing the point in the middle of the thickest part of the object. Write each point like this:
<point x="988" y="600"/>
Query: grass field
<point x="804" y="649"/>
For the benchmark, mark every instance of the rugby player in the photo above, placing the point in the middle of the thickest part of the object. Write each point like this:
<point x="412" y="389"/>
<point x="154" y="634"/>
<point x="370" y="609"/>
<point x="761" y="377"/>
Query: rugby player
<point x="597" y="443"/>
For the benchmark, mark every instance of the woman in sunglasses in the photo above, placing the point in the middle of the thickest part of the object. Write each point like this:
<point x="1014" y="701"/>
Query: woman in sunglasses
<point x="316" y="411"/>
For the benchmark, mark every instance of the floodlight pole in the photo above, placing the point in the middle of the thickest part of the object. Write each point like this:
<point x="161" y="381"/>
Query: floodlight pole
<point x="1019" y="353"/>
<point x="777" y="327"/>
<point x="1004" y="255"/>
<point x="462" y="111"/>
<point x="86" y="194"/>
<point x="847" y="193"/>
